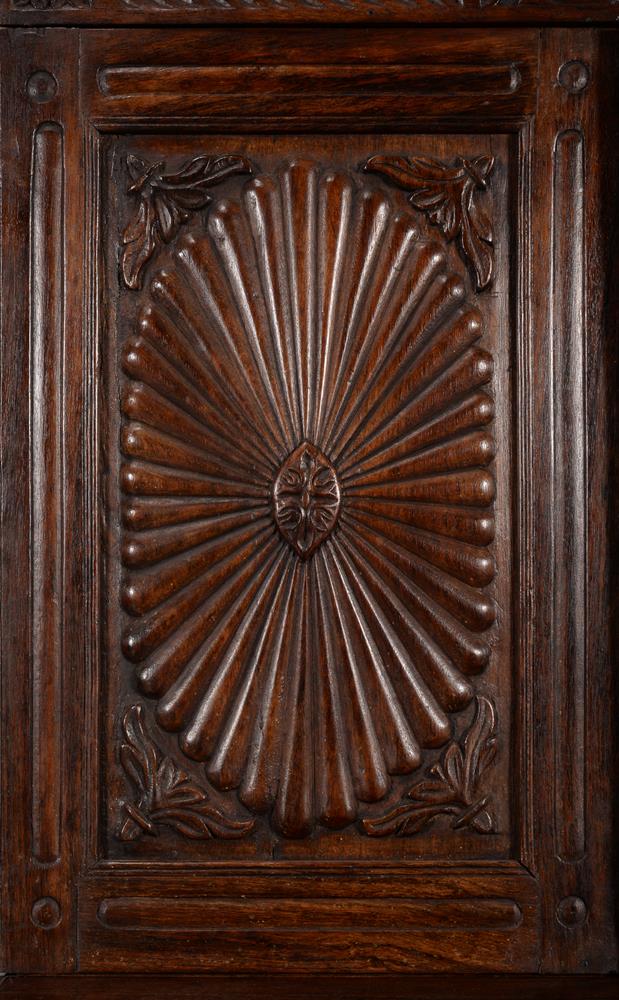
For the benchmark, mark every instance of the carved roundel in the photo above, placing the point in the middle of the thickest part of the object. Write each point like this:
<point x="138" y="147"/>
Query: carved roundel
<point x="308" y="498"/>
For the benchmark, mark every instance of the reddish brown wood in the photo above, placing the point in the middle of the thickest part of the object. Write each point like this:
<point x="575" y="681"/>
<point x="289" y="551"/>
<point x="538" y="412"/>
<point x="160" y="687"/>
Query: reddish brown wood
<point x="41" y="499"/>
<point x="290" y="374"/>
<point x="89" y="987"/>
<point x="306" y="405"/>
<point x="169" y="12"/>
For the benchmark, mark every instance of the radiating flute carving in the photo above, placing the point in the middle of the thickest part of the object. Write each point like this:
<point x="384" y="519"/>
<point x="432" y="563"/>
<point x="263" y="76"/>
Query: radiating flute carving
<point x="307" y="448"/>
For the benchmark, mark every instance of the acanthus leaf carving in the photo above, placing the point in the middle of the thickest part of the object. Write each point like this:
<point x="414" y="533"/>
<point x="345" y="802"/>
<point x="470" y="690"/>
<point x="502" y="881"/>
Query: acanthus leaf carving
<point x="167" y="796"/>
<point x="447" y="195"/>
<point x="167" y="200"/>
<point x="452" y="785"/>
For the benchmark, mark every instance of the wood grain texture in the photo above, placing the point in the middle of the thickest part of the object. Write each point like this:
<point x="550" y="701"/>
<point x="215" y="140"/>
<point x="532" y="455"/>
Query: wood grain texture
<point x="41" y="482"/>
<point x="193" y="916"/>
<point x="455" y="78"/>
<point x="332" y="628"/>
<point x="195" y="12"/>
<point x="300" y="925"/>
<point x="343" y="75"/>
<point x="340" y="361"/>
<point x="569" y="491"/>
<point x="46" y="476"/>
<point x="573" y="843"/>
<point x="362" y="987"/>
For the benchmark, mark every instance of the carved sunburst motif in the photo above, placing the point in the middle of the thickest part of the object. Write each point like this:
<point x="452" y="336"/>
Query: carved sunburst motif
<point x="309" y="501"/>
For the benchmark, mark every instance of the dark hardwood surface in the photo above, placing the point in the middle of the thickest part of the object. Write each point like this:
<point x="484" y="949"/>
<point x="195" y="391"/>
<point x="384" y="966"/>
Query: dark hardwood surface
<point x="308" y="394"/>
<point x="196" y="12"/>
<point x="155" y="987"/>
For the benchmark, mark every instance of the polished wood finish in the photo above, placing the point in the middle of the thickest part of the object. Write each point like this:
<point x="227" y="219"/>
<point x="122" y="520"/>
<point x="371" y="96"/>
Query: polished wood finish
<point x="113" y="987"/>
<point x="485" y="13"/>
<point x="307" y="395"/>
<point x="294" y="371"/>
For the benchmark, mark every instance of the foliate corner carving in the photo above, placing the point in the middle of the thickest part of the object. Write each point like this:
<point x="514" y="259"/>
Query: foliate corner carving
<point x="167" y="200"/>
<point x="167" y="796"/>
<point x="452" y="787"/>
<point x="448" y="197"/>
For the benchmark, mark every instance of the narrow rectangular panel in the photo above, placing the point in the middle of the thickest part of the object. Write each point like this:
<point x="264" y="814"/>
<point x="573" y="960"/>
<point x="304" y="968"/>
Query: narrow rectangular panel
<point x="450" y="74"/>
<point x="413" y="922"/>
<point x="46" y="475"/>
<point x="570" y="493"/>
<point x="217" y="915"/>
<point x="125" y="81"/>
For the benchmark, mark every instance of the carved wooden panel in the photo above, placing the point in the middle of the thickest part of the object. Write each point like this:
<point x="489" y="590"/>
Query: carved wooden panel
<point x="307" y="483"/>
<point x="304" y="494"/>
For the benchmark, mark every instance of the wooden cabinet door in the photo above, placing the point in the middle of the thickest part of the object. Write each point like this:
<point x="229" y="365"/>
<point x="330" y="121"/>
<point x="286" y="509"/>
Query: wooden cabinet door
<point x="306" y="587"/>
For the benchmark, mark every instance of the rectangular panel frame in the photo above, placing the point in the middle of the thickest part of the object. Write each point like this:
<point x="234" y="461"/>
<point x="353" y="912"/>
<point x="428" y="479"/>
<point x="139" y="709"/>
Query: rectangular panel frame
<point x="572" y="938"/>
<point x="261" y="881"/>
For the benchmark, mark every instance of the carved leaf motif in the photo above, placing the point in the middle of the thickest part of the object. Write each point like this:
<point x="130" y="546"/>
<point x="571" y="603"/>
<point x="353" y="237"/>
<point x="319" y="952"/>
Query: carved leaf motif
<point x="452" y="787"/>
<point x="446" y="194"/>
<point x="166" y="794"/>
<point x="166" y="202"/>
<point x="140" y="243"/>
<point x="306" y="498"/>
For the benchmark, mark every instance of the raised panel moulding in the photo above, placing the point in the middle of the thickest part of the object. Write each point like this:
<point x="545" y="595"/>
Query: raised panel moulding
<point x="569" y="493"/>
<point x="46" y="483"/>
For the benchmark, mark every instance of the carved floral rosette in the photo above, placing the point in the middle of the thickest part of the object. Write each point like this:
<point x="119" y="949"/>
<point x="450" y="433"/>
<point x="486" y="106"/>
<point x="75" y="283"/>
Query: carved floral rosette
<point x="308" y="496"/>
